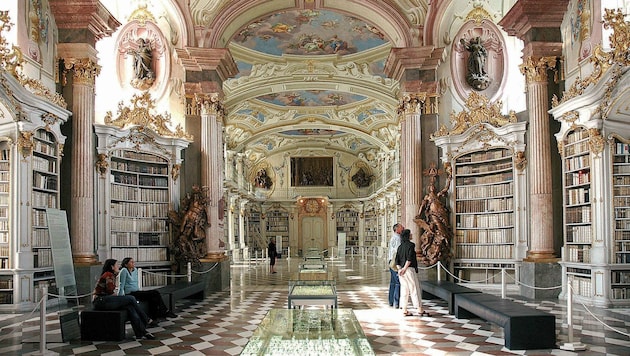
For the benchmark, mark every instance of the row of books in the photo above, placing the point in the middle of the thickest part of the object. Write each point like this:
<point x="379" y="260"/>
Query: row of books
<point x="45" y="135"/>
<point x="577" y="163"/>
<point x="484" y="251"/>
<point x="577" y="196"/>
<point x="139" y="167"/>
<point x="577" y="178"/>
<point x="621" y="180"/>
<point x="621" y="201"/>
<point x="496" y="236"/>
<point x="622" y="257"/>
<point x="5" y="176"/>
<point x="4" y="225"/>
<point x="485" y="220"/>
<point x="4" y="233"/>
<point x="134" y="239"/>
<point x="142" y="225"/>
<point x="483" y="156"/>
<point x="621" y="169"/>
<point x="42" y="258"/>
<point x="277" y="228"/>
<point x="579" y="148"/>
<point x="621" y="190"/>
<point x="620" y="277"/>
<point x="44" y="165"/>
<point x="622" y="224"/>
<point x="485" y="191"/>
<point x="4" y="251"/>
<point x="580" y="253"/>
<point x="144" y="210"/>
<point x="577" y="135"/>
<point x="44" y="200"/>
<point x="43" y="181"/>
<point x="46" y="148"/>
<point x="6" y="298"/>
<point x="6" y="283"/>
<point x="39" y="218"/>
<point x="485" y="179"/>
<point x="4" y="212"/>
<point x="141" y="254"/>
<point x="579" y="234"/>
<point x="5" y="155"/>
<point x="620" y="293"/>
<point x="139" y="156"/>
<point x="622" y="235"/>
<point x="487" y="205"/>
<point x="621" y="159"/>
<point x="621" y="148"/>
<point x="40" y="238"/>
<point x="581" y="285"/>
<point x="485" y="168"/>
<point x="578" y="214"/>
<point x="123" y="192"/>
<point x="4" y="187"/>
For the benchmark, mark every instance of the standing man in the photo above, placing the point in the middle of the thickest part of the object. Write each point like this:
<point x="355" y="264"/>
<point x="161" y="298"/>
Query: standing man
<point x="271" y="251"/>
<point x="394" y="282"/>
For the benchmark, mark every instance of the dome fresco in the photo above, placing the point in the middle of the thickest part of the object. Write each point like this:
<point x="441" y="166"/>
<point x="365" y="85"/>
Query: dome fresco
<point x="309" y="32"/>
<point x="311" y="98"/>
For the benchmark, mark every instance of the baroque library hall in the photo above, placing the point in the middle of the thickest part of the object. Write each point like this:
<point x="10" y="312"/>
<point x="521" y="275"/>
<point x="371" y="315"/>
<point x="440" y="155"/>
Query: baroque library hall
<point x="261" y="160"/>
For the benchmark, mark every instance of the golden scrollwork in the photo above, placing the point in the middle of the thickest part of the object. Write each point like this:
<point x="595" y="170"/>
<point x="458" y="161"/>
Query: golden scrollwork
<point x="102" y="163"/>
<point x="25" y="143"/>
<point x="535" y="68"/>
<point x="478" y="14"/>
<point x="211" y="104"/>
<point x="38" y="88"/>
<point x="142" y="15"/>
<point x="175" y="171"/>
<point x="601" y="63"/>
<point x="85" y="70"/>
<point x="11" y="59"/>
<point x="596" y="141"/>
<point x="50" y="120"/>
<point x="619" y="38"/>
<point x="520" y="161"/>
<point x="412" y="103"/>
<point x="561" y="148"/>
<point x="139" y="115"/>
<point x="480" y="111"/>
<point x="570" y="117"/>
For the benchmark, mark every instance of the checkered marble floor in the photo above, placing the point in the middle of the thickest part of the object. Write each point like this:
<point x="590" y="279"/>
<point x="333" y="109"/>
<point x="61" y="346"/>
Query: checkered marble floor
<point x="222" y="323"/>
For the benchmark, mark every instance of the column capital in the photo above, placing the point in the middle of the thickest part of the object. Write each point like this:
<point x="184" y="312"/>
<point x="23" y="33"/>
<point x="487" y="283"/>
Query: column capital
<point x="85" y="70"/>
<point x="211" y="104"/>
<point x="412" y="104"/>
<point x="535" y="68"/>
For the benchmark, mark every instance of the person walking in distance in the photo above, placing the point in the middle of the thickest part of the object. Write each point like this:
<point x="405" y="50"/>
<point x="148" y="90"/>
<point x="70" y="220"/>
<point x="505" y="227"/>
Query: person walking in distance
<point x="394" y="281"/>
<point x="272" y="253"/>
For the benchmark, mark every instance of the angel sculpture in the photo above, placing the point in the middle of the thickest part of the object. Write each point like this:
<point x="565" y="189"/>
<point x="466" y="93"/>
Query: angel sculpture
<point x="191" y="222"/>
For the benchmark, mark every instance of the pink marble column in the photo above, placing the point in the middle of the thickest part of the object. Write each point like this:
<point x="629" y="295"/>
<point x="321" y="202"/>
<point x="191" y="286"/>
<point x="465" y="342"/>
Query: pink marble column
<point x="540" y="199"/>
<point x="84" y="72"/>
<point x="410" y="111"/>
<point x="212" y="165"/>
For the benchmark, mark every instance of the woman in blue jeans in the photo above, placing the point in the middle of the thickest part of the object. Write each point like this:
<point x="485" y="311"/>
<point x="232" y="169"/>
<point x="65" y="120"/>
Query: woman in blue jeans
<point x="105" y="297"/>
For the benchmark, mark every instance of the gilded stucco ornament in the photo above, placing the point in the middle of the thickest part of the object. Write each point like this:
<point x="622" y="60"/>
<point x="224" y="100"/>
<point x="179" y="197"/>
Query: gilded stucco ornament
<point x="142" y="15"/>
<point x="596" y="141"/>
<point x="84" y="70"/>
<point x="175" y="171"/>
<point x="601" y="63"/>
<point x="412" y="104"/>
<point x="25" y="143"/>
<point x="480" y="112"/>
<point x="11" y="59"/>
<point x="139" y="114"/>
<point x="478" y="13"/>
<point x="535" y="68"/>
<point x="520" y="161"/>
<point x="102" y="163"/>
<point x="211" y="104"/>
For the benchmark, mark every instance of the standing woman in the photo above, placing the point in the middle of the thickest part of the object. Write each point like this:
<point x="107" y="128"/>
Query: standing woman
<point x="129" y="286"/>
<point x="272" y="253"/>
<point x="105" y="298"/>
<point x="407" y="265"/>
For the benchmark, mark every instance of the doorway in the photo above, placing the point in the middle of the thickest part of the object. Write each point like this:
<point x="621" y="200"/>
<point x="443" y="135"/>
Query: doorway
<point x="313" y="233"/>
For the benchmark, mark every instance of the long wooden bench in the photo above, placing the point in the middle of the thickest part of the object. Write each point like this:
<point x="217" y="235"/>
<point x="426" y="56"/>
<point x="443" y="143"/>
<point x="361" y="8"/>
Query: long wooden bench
<point x="524" y="328"/>
<point x="92" y="321"/>
<point x="444" y="290"/>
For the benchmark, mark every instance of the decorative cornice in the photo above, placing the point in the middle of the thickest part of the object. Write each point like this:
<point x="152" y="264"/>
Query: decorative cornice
<point x="535" y="68"/>
<point x="480" y="111"/>
<point x="140" y="115"/>
<point x="85" y="70"/>
<point x="84" y="14"/>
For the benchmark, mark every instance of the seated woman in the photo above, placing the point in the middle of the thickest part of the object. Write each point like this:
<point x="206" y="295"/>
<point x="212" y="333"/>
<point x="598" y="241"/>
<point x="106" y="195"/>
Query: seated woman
<point x="105" y="298"/>
<point x="129" y="286"/>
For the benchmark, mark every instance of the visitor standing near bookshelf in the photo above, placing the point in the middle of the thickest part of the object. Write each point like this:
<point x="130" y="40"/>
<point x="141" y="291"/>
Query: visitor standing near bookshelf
<point x="272" y="253"/>
<point x="394" y="281"/>
<point x="407" y="265"/>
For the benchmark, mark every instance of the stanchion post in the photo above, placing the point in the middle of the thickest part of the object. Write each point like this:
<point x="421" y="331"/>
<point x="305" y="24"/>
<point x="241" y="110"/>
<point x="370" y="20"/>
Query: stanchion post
<point x="140" y="278"/>
<point x="189" y="272"/>
<point x="571" y="345"/>
<point x="503" y="287"/>
<point x="42" y="321"/>
<point x="439" y="271"/>
<point x="288" y="252"/>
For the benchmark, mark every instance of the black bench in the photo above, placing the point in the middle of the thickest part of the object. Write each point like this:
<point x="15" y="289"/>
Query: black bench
<point x="171" y="293"/>
<point x="524" y="328"/>
<point x="444" y="290"/>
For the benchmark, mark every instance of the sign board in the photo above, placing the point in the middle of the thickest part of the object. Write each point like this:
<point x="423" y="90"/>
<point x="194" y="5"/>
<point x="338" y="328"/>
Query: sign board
<point x="61" y="250"/>
<point x="341" y="243"/>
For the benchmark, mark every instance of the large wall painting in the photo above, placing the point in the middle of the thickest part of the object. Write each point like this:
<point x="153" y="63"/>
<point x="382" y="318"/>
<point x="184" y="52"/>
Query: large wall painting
<point x="311" y="171"/>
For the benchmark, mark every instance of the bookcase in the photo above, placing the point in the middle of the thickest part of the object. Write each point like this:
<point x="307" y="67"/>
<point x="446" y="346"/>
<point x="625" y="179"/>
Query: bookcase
<point x="137" y="185"/>
<point x="277" y="224"/>
<point x="371" y="228"/>
<point x="620" y="271"/>
<point x="348" y="222"/>
<point x="31" y="146"/>
<point x="254" y="240"/>
<point x="487" y="198"/>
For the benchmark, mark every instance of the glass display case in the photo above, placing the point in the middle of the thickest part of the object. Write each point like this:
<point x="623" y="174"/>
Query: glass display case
<point x="321" y="292"/>
<point x="312" y="332"/>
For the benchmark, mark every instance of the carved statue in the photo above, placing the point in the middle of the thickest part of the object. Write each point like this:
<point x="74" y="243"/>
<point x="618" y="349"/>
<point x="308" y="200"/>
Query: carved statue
<point x="361" y="178"/>
<point x="191" y="222"/>
<point x="432" y="218"/>
<point x="477" y="77"/>
<point x="144" y="76"/>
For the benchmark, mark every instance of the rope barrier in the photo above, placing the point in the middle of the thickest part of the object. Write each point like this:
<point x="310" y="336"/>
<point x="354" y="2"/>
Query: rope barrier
<point x="204" y="272"/>
<point x="466" y="281"/>
<point x="429" y="267"/>
<point x="164" y="275"/>
<point x="596" y="318"/>
<point x="533" y="287"/>
<point x="19" y="324"/>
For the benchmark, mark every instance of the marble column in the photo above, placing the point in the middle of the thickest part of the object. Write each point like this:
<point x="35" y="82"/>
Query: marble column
<point x="212" y="168"/>
<point x="410" y="111"/>
<point x="84" y="72"/>
<point x="540" y="199"/>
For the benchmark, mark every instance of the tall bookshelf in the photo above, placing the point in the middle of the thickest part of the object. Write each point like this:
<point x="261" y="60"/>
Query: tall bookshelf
<point x="6" y="278"/>
<point x="137" y="185"/>
<point x="620" y="258"/>
<point x="484" y="214"/>
<point x="277" y="224"/>
<point x="255" y="240"/>
<point x="371" y="227"/>
<point x="348" y="222"/>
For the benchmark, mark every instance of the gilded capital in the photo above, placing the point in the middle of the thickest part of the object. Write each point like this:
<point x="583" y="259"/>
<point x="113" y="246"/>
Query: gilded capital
<point x="412" y="104"/>
<point x="211" y="104"/>
<point x="535" y="68"/>
<point x="85" y="70"/>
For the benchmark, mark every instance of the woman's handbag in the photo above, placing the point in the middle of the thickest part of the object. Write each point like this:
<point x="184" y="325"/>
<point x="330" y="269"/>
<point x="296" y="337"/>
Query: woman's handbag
<point x="392" y="264"/>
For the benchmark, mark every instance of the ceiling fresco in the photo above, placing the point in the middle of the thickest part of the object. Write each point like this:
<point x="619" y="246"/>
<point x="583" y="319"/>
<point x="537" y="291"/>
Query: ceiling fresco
<point x="309" y="32"/>
<point x="311" y="98"/>
<point x="312" y="132"/>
